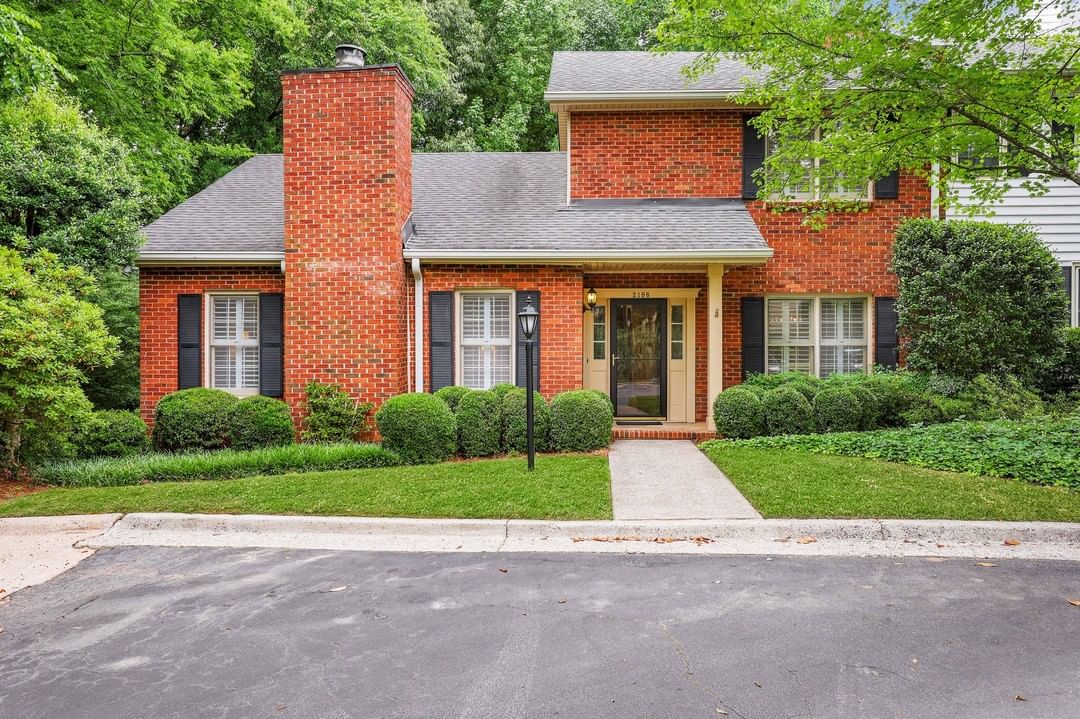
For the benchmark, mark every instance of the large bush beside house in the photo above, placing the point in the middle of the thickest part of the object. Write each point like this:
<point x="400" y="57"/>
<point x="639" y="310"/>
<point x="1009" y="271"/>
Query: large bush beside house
<point x="580" y="421"/>
<point x="479" y="421"/>
<point x="787" y="411"/>
<point x="739" y="413"/>
<point x="837" y="409"/>
<point x="333" y="414"/>
<point x="260" y="422"/>
<point x="418" y="427"/>
<point x="195" y="418"/>
<point x="452" y="394"/>
<point x="1062" y="376"/>
<point x="110" y="433"/>
<point x="514" y="427"/>
<point x="977" y="298"/>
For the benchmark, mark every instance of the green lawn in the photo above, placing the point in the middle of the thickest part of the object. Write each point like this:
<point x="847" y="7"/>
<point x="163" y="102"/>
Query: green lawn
<point x="788" y="483"/>
<point x="561" y="487"/>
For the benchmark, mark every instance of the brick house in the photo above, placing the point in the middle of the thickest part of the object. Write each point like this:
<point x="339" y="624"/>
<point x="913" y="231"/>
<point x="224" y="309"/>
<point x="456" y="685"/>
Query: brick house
<point x="660" y="276"/>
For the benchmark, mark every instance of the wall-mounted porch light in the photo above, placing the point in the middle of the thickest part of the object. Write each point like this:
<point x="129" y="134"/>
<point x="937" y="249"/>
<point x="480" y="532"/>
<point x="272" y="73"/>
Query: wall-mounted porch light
<point x="590" y="300"/>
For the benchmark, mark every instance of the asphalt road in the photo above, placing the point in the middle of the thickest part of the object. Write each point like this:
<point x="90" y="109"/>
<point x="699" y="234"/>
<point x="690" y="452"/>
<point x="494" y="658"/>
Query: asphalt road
<point x="153" y="632"/>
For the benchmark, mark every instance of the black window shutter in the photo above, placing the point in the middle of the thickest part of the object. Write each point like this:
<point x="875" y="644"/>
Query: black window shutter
<point x="271" y="344"/>
<point x="886" y="333"/>
<point x="888" y="187"/>
<point x="753" y="157"/>
<point x="441" y="339"/>
<point x="522" y="297"/>
<point x="1067" y="280"/>
<point x="753" y="335"/>
<point x="189" y="336"/>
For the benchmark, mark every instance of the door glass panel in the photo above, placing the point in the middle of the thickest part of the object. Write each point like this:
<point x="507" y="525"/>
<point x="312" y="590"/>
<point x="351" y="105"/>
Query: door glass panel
<point x="638" y="363"/>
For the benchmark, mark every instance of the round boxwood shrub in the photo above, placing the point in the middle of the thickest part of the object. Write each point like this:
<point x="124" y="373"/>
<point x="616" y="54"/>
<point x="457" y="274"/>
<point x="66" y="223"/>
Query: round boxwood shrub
<point x="869" y="404"/>
<point x="513" y="422"/>
<point x="787" y="411"/>
<point x="757" y="389"/>
<point x="580" y="421"/>
<point x="452" y="394"/>
<point x="738" y="413"/>
<point x="195" y="418"/>
<point x="837" y="409"/>
<point x="419" y="427"/>
<point x="501" y="390"/>
<point x="806" y="388"/>
<point x="110" y="433"/>
<point x="260" y="422"/>
<point x="479" y="424"/>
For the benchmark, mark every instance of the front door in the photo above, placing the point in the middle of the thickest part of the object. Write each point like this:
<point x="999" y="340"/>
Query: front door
<point x="638" y="371"/>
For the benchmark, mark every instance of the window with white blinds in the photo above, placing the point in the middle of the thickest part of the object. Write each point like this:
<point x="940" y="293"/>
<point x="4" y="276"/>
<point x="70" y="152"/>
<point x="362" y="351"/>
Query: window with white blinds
<point x="817" y="335"/>
<point x="234" y="343"/>
<point x="487" y="339"/>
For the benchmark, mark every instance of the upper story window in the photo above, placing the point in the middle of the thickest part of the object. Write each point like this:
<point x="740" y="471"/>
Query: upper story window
<point x="815" y="181"/>
<point x="817" y="335"/>
<point x="234" y="343"/>
<point x="487" y="338"/>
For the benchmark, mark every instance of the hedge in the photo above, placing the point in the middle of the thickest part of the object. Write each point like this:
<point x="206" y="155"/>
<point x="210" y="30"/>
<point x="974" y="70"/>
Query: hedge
<point x="837" y="409"/>
<point x="514" y="438"/>
<point x="195" y="418"/>
<point x="260" y="422"/>
<point x="479" y="423"/>
<point x="452" y="394"/>
<point x="110" y="433"/>
<point x="739" y="413"/>
<point x="419" y="427"/>
<point x="580" y="421"/>
<point x="787" y="411"/>
<point x="225" y="464"/>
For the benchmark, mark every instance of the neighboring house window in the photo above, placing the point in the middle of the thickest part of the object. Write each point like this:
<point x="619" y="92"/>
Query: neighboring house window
<point x="816" y="182"/>
<point x="487" y="339"/>
<point x="817" y="335"/>
<point x="234" y="343"/>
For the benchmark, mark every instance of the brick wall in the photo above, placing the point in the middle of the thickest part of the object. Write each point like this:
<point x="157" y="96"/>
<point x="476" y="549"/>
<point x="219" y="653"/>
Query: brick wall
<point x="656" y="153"/>
<point x="348" y="190"/>
<point x="672" y="280"/>
<point x="561" y="297"/>
<point x="158" y="289"/>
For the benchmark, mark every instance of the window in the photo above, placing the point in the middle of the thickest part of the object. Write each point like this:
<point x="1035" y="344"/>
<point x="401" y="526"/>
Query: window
<point x="487" y="339"/>
<point x="814" y="181"/>
<point x="820" y="336"/>
<point x="599" y="332"/>
<point x="677" y="329"/>
<point x="234" y="343"/>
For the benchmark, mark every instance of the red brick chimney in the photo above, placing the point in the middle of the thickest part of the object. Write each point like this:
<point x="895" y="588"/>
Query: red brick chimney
<point x="348" y="192"/>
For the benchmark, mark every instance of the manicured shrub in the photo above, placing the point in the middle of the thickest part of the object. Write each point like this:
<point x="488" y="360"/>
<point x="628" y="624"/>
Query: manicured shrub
<point x="514" y="437"/>
<point x="224" y="464"/>
<point x="260" y="422"/>
<point x="977" y="298"/>
<point x="333" y="414"/>
<point x="195" y="418"/>
<point x="1002" y="397"/>
<point x="110" y="433"/>
<point x="783" y="379"/>
<point x="501" y="390"/>
<point x="479" y="424"/>
<point x="580" y="421"/>
<point x="807" y="389"/>
<point x="869" y="405"/>
<point x="837" y="409"/>
<point x="452" y="394"/>
<point x="739" y="413"/>
<point x="787" y="411"/>
<point x="1062" y="375"/>
<point x="418" y="427"/>
<point x="756" y="389"/>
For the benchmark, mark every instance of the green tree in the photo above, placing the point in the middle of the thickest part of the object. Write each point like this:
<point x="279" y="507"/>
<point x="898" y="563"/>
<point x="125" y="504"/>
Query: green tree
<point x="49" y="336"/>
<point x="65" y="185"/>
<point x="908" y="83"/>
<point x="116" y="386"/>
<point x="24" y="66"/>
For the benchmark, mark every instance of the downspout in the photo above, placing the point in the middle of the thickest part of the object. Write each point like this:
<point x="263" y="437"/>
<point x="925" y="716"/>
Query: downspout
<point x="418" y="324"/>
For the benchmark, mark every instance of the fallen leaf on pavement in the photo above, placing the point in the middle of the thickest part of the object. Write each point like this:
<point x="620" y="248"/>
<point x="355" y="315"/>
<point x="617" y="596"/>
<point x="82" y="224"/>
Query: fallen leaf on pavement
<point x="757" y="684"/>
<point x="808" y="539"/>
<point x="937" y="559"/>
<point x="504" y="571"/>
<point x="721" y="711"/>
<point x="1020" y="698"/>
<point x="1074" y="602"/>
<point x="337" y="589"/>
<point x="782" y="539"/>
<point x="562" y="601"/>
<point x="985" y="564"/>
<point x="281" y="707"/>
<point x="1011" y="542"/>
<point x="940" y="546"/>
<point x="1" y="630"/>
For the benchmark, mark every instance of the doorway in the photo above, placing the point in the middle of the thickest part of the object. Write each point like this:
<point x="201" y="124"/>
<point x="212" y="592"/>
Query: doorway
<point x="639" y="358"/>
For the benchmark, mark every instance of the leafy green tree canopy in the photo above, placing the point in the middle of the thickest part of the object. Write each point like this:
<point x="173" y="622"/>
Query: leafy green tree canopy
<point x="49" y="336"/>
<point x="24" y="66"/>
<point x="65" y="185"/>
<point x="963" y="83"/>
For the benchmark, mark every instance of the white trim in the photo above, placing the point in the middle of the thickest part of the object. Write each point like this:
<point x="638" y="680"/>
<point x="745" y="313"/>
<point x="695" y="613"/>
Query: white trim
<point x="625" y="95"/>
<point x="459" y="360"/>
<point x="815" y="326"/>
<point x="151" y="259"/>
<point x="568" y="174"/>
<point x="541" y="256"/>
<point x="208" y="339"/>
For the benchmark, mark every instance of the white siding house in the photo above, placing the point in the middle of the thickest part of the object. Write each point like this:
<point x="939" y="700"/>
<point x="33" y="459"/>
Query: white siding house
<point x="1056" y="217"/>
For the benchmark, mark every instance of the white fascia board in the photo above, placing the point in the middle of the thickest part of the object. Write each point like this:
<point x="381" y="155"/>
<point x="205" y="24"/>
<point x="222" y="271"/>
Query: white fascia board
<point x="564" y="96"/>
<point x="541" y="256"/>
<point x="171" y="258"/>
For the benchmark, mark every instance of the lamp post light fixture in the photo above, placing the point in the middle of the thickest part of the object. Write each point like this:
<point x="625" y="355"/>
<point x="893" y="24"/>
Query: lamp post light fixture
<point x="527" y="320"/>
<point x="590" y="300"/>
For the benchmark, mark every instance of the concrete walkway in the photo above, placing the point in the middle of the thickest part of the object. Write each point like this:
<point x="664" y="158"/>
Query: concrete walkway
<point x="671" y="479"/>
<point x="36" y="549"/>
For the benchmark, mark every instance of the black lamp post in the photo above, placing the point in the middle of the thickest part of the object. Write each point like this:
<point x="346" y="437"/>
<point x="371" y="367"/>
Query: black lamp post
<point x="527" y="319"/>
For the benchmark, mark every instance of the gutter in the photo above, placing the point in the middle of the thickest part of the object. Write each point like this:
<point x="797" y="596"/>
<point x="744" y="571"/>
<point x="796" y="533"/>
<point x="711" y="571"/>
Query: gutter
<point x="755" y="256"/>
<point x="205" y="259"/>
<point x="561" y="96"/>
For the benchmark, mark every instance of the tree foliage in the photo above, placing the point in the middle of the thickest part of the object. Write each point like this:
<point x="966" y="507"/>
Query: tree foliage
<point x="24" y="66"/>
<point x="49" y="336"/>
<point x="909" y="83"/>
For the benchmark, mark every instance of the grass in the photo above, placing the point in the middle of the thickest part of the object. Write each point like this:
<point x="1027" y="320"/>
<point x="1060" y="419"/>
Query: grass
<point x="561" y="487"/>
<point x="789" y="483"/>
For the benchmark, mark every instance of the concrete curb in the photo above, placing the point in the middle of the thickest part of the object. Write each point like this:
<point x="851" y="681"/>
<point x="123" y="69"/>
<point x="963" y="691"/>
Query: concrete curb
<point x="830" y="537"/>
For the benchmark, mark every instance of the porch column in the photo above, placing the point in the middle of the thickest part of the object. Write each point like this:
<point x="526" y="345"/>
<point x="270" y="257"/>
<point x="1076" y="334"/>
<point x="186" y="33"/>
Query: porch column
<point x="716" y="338"/>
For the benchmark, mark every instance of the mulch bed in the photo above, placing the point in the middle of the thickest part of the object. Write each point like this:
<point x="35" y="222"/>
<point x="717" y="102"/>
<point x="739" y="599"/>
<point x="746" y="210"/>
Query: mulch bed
<point x="10" y="489"/>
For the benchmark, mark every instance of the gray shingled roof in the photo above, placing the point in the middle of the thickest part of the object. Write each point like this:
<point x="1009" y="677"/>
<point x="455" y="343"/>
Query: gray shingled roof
<point x="604" y="72"/>
<point x="467" y="203"/>
<point x="244" y="211"/>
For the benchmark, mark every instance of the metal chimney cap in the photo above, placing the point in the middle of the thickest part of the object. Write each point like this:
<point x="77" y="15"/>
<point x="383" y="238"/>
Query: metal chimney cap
<point x="349" y="55"/>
